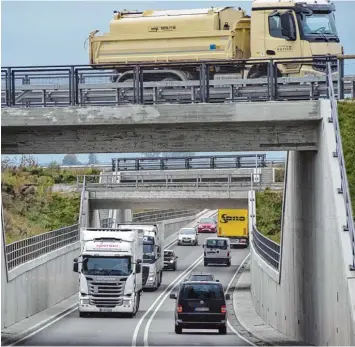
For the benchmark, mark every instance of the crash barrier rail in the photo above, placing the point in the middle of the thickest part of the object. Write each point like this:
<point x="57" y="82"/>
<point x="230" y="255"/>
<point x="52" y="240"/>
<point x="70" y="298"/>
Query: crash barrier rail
<point x="344" y="189"/>
<point x="28" y="249"/>
<point x="159" y="216"/>
<point x="82" y="85"/>
<point x="189" y="162"/>
<point x="266" y="248"/>
<point x="169" y="181"/>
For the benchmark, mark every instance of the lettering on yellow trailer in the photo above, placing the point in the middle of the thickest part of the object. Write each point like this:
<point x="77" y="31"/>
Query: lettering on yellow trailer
<point x="233" y="223"/>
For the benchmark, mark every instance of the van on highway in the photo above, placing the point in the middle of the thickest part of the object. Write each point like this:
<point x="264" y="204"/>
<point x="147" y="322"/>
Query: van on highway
<point x="217" y="250"/>
<point x="200" y="305"/>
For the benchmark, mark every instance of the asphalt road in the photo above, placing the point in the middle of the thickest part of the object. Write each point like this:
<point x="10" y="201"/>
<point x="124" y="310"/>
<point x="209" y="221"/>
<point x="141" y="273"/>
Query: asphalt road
<point x="154" y="323"/>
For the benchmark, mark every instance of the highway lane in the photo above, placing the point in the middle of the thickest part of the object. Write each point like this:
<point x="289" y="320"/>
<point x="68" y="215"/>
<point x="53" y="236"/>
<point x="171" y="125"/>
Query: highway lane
<point x="161" y="331"/>
<point x="119" y="331"/>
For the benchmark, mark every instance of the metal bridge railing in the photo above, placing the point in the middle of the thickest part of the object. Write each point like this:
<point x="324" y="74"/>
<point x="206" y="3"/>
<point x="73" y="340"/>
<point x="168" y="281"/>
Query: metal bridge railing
<point x="344" y="189"/>
<point x="189" y="162"/>
<point x="63" y="86"/>
<point x="266" y="248"/>
<point x="28" y="249"/>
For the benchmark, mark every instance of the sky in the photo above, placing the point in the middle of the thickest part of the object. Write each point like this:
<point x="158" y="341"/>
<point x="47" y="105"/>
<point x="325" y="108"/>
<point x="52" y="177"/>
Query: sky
<point x="54" y="33"/>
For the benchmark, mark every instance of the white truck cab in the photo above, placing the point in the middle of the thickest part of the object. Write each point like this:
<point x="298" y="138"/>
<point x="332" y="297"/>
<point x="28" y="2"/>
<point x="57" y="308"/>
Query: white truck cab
<point x="110" y="273"/>
<point x="153" y="257"/>
<point x="217" y="250"/>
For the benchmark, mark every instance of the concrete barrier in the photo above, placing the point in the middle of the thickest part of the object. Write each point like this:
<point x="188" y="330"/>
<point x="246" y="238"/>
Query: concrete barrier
<point x="312" y="297"/>
<point x="43" y="282"/>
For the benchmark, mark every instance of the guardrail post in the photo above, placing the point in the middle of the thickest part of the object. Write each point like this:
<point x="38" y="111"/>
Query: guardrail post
<point x="8" y="87"/>
<point x="270" y="79"/>
<point x="72" y="86"/>
<point x="340" y="79"/>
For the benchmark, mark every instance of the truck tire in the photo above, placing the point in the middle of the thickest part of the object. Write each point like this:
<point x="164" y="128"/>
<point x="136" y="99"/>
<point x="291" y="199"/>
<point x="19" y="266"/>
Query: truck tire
<point x="178" y="330"/>
<point x="205" y="263"/>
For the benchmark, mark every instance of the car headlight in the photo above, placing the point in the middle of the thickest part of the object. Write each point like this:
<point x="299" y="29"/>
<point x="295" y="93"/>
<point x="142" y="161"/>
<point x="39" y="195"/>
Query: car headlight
<point x="85" y="301"/>
<point x="171" y="261"/>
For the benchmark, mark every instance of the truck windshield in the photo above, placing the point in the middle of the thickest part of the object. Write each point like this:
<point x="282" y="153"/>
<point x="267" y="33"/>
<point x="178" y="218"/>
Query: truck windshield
<point x="220" y="244"/>
<point x="114" y="266"/>
<point x="148" y="249"/>
<point x="321" y="24"/>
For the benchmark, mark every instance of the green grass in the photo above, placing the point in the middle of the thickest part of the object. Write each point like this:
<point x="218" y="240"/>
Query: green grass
<point x="268" y="213"/>
<point x="30" y="205"/>
<point x="346" y="111"/>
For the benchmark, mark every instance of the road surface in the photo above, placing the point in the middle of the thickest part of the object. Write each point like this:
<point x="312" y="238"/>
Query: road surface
<point x="154" y="323"/>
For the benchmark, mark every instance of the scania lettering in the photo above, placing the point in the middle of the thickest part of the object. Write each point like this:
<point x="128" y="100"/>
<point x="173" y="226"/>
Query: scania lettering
<point x="234" y="225"/>
<point x="110" y="273"/>
<point x="274" y="29"/>
<point x="153" y="258"/>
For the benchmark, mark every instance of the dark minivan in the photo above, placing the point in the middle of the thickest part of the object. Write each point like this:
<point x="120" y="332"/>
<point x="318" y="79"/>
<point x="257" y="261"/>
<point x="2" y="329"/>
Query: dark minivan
<point x="200" y="305"/>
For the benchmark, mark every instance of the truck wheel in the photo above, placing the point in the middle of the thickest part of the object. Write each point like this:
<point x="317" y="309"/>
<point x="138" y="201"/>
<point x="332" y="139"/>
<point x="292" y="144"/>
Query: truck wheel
<point x="161" y="278"/>
<point x="205" y="263"/>
<point x="178" y="330"/>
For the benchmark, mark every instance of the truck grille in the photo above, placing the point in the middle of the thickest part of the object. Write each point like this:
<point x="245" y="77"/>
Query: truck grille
<point x="106" y="294"/>
<point x="145" y="274"/>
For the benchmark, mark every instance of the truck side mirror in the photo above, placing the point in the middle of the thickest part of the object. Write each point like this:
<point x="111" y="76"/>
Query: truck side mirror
<point x="138" y="268"/>
<point x="228" y="297"/>
<point x="75" y="265"/>
<point x="173" y="296"/>
<point x="287" y="26"/>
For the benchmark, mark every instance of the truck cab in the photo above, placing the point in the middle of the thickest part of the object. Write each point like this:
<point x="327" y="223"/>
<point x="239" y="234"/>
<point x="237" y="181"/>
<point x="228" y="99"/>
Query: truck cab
<point x="110" y="274"/>
<point x="153" y="259"/>
<point x="295" y="28"/>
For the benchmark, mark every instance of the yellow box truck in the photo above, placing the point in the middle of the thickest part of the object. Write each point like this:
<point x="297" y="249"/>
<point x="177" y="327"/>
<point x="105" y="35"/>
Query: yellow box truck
<point x="234" y="225"/>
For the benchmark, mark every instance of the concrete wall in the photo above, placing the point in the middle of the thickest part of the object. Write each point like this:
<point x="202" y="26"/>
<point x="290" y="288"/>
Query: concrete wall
<point x="312" y="298"/>
<point x="49" y="279"/>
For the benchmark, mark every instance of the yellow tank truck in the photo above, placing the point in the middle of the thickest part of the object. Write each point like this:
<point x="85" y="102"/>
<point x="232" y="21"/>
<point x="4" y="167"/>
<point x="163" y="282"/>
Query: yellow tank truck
<point x="275" y="29"/>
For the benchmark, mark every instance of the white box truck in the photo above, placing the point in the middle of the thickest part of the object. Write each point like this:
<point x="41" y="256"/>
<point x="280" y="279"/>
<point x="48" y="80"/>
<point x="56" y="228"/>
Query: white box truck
<point x="110" y="274"/>
<point x="153" y="253"/>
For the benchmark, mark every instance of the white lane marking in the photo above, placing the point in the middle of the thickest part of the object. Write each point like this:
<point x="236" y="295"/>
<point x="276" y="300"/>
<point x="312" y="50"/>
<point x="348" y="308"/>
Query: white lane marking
<point x="146" y="330"/>
<point x="229" y="285"/>
<point x="44" y="326"/>
<point x="135" y="334"/>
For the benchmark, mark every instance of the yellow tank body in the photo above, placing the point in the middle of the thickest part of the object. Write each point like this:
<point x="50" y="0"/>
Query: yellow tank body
<point x="173" y="36"/>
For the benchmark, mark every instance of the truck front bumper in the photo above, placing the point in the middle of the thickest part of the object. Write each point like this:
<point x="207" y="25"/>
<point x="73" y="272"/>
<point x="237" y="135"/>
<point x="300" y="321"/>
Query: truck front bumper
<point x="126" y="307"/>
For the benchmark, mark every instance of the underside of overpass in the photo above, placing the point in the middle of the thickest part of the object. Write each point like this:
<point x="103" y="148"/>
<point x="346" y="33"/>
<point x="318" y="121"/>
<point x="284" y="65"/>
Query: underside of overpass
<point x="312" y="296"/>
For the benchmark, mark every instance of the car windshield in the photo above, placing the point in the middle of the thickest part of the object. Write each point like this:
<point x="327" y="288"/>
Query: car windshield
<point x="168" y="254"/>
<point x="201" y="278"/>
<point x="220" y="244"/>
<point x="202" y="291"/>
<point x="318" y="24"/>
<point x="207" y="221"/>
<point x="187" y="231"/>
<point x="115" y="266"/>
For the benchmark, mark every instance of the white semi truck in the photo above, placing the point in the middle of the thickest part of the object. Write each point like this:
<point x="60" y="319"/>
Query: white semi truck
<point x="110" y="273"/>
<point x="153" y="253"/>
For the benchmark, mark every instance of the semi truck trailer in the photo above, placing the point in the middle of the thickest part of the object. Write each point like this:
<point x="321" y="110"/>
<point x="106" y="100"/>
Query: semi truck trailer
<point x="153" y="257"/>
<point x="273" y="30"/>
<point x="109" y="268"/>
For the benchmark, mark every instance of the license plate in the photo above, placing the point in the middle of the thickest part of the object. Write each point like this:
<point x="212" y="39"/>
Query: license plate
<point x="211" y="252"/>
<point x="105" y="309"/>
<point x="202" y="309"/>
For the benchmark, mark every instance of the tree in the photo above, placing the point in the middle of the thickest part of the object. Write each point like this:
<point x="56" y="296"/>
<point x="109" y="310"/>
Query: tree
<point x="93" y="159"/>
<point x="70" y="159"/>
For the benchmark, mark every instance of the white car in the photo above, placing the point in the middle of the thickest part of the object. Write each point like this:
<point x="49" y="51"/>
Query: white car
<point x="187" y="236"/>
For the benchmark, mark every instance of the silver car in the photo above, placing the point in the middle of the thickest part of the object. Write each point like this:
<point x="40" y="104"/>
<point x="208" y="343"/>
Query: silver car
<point x="187" y="236"/>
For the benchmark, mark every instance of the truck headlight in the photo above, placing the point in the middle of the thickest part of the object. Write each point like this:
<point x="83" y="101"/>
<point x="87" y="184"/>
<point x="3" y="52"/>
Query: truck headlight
<point x="85" y="301"/>
<point x="127" y="302"/>
<point x="171" y="261"/>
